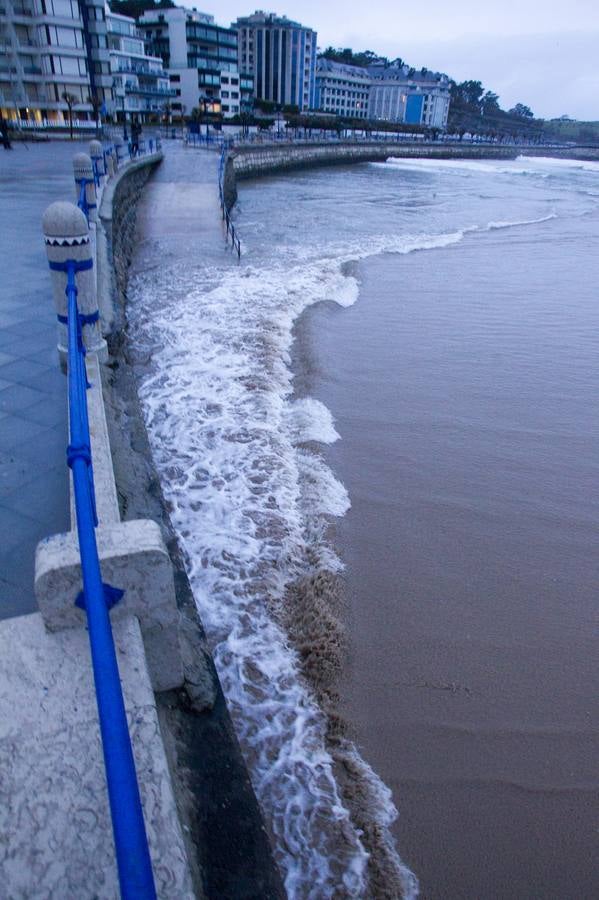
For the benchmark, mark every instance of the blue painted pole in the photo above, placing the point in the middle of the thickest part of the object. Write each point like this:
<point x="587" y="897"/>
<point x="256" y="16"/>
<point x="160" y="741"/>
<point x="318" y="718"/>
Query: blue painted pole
<point x="131" y="844"/>
<point x="82" y="202"/>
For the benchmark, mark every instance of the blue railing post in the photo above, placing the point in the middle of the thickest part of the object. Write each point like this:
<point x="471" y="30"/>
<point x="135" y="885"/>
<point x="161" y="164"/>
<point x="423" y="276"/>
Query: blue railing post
<point x="97" y="157"/>
<point x="119" y="151"/>
<point x="85" y="185"/>
<point x="69" y="255"/>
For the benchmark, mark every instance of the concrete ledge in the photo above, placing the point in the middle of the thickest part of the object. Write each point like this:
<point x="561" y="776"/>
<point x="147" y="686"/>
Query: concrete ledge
<point x="132" y="557"/>
<point x="56" y="837"/>
<point x="107" y="503"/>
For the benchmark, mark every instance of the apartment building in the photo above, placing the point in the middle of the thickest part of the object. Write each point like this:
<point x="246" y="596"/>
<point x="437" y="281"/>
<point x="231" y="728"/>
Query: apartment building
<point x="140" y="84"/>
<point x="281" y="55"/>
<point x="50" y="49"/>
<point x="341" y="89"/>
<point x="383" y="92"/>
<point x="401" y="94"/>
<point x="202" y="61"/>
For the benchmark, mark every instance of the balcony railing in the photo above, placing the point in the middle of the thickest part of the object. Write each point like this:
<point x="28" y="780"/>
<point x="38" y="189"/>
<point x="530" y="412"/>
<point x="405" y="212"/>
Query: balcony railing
<point x="131" y="88"/>
<point x="140" y="70"/>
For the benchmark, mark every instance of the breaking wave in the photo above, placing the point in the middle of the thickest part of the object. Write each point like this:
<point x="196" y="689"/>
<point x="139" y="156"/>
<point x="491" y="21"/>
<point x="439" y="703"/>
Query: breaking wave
<point x="250" y="499"/>
<point x="494" y="226"/>
<point x="467" y="166"/>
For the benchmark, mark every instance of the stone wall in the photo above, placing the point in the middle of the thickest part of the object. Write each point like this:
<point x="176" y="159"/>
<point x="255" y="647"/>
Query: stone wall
<point x="255" y="160"/>
<point x="227" y="846"/>
<point x="115" y="237"/>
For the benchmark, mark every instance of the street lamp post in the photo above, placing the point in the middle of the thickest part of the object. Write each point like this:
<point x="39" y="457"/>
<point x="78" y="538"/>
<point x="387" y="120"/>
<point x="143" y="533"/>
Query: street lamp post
<point x="125" y="135"/>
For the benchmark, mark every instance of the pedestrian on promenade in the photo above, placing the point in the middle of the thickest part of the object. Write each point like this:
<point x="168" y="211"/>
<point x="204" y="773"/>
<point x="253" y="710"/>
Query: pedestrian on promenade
<point x="135" y="135"/>
<point x="4" y="134"/>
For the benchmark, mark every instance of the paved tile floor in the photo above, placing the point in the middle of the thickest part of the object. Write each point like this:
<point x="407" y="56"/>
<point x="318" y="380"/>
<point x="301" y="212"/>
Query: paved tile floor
<point x="33" y="402"/>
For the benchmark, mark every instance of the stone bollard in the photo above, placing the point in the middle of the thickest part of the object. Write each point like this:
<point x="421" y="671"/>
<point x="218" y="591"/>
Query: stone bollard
<point x="84" y="175"/>
<point x="97" y="157"/>
<point x="66" y="235"/>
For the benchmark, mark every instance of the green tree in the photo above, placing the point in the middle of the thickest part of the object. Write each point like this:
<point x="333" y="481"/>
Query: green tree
<point x="522" y="111"/>
<point x="489" y="103"/>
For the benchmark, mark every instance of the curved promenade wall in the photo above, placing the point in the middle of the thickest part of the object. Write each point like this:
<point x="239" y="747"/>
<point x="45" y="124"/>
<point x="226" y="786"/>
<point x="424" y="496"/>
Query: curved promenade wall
<point x="228" y="849"/>
<point x="255" y="160"/>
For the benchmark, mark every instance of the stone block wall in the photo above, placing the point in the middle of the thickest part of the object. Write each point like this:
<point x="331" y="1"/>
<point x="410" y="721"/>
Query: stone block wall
<point x="255" y="160"/>
<point x="116" y="236"/>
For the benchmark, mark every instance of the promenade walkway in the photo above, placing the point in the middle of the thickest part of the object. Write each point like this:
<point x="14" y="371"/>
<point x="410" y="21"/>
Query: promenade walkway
<point x="180" y="210"/>
<point x="34" y="499"/>
<point x="56" y="837"/>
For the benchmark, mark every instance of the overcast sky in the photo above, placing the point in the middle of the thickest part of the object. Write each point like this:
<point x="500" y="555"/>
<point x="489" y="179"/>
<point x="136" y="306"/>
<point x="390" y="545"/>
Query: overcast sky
<point x="544" y="53"/>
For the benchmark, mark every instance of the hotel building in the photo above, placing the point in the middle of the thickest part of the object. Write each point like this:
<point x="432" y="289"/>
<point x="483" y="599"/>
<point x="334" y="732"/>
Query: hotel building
<point x="342" y="89"/>
<point x="400" y="94"/>
<point x="281" y="55"/>
<point x="382" y="92"/>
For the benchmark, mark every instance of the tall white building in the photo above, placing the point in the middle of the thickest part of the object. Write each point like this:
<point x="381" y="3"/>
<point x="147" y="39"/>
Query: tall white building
<point x="281" y="55"/>
<point x="49" y="49"/>
<point x="341" y="89"/>
<point x="201" y="59"/>
<point x="141" y="86"/>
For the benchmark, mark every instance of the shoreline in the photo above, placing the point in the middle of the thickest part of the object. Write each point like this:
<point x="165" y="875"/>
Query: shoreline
<point x="319" y="603"/>
<point x="422" y="795"/>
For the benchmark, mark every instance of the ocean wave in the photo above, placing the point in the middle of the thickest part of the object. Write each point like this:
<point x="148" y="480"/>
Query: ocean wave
<point x="348" y="251"/>
<point x="223" y="435"/>
<point x="560" y="163"/>
<point x="250" y="500"/>
<point x="494" y="226"/>
<point x="488" y="167"/>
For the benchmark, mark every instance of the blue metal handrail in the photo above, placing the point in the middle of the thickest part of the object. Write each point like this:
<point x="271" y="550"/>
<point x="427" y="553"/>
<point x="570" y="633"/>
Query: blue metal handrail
<point x="133" y="856"/>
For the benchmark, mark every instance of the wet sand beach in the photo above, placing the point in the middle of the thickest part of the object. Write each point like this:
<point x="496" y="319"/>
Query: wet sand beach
<point x="467" y="410"/>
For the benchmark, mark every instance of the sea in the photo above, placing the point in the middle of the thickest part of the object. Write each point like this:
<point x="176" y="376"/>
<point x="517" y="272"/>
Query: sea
<point x="378" y="437"/>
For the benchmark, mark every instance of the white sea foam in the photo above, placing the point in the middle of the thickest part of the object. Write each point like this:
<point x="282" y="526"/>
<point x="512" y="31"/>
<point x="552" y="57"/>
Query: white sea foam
<point x="310" y="420"/>
<point x="493" y="226"/>
<point x="223" y="436"/>
<point x="249" y="501"/>
<point x="339" y="254"/>
<point x="488" y="166"/>
<point x="552" y="162"/>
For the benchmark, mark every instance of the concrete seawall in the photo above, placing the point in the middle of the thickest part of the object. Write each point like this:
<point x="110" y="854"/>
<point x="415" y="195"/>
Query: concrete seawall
<point x="255" y="160"/>
<point x="227" y="847"/>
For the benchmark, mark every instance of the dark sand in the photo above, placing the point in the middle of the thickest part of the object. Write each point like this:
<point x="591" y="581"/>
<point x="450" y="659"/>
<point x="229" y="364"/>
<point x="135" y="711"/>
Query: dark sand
<point x="464" y="385"/>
